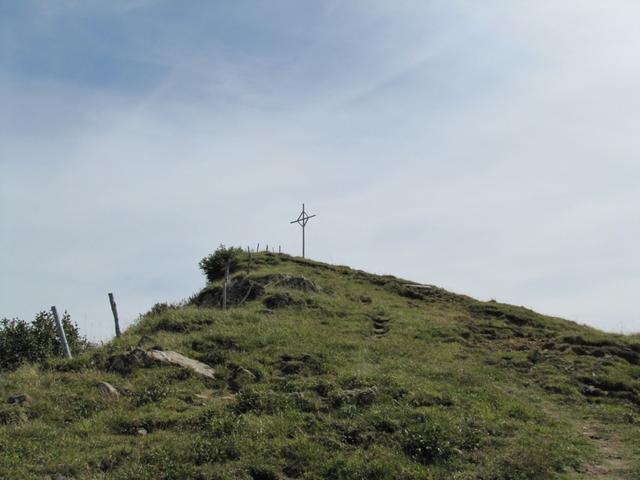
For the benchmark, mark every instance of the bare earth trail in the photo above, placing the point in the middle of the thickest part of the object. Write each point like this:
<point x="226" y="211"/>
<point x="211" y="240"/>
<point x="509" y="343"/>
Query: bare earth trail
<point x="615" y="460"/>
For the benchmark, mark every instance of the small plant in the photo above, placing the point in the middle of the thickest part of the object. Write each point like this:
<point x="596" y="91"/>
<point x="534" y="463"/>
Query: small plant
<point x="22" y="342"/>
<point x="215" y="264"/>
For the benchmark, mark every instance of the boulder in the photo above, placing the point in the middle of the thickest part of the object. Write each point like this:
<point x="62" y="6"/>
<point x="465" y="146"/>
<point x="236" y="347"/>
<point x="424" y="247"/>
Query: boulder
<point x="175" y="358"/>
<point x="108" y="390"/>
<point x="241" y="377"/>
<point x="279" y="300"/>
<point x="127" y="362"/>
<point x="239" y="290"/>
<point x="21" y="399"/>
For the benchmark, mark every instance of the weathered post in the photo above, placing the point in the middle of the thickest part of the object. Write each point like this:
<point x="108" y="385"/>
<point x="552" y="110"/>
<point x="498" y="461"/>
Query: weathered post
<point x="258" y="249"/>
<point x="61" y="335"/>
<point x="279" y="249"/>
<point x="114" y="310"/>
<point x="224" y="290"/>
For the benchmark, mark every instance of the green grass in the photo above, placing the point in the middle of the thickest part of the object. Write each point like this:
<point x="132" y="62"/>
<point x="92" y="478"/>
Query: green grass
<point x="365" y="379"/>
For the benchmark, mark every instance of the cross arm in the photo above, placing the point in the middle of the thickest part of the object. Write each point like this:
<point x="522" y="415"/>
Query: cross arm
<point x="303" y="219"/>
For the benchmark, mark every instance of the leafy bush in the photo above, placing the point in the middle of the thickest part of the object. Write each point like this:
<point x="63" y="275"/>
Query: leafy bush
<point x="215" y="264"/>
<point x="22" y="342"/>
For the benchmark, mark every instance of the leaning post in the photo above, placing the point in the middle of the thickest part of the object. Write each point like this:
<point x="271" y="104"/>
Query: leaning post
<point x="61" y="335"/>
<point x="114" y="310"/>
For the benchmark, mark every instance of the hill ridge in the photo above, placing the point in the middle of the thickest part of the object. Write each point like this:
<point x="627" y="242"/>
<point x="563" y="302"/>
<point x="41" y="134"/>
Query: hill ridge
<point x="323" y="371"/>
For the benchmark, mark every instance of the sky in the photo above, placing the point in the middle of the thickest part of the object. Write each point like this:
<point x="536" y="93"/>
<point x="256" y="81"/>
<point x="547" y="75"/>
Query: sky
<point x="490" y="148"/>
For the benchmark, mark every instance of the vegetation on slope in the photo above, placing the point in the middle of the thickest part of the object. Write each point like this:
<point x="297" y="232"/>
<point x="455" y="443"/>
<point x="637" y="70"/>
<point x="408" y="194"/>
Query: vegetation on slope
<point x="35" y="342"/>
<point x="327" y="372"/>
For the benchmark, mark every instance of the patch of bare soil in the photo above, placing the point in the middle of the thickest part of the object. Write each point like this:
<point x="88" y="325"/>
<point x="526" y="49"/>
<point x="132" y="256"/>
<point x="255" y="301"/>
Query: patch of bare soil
<point x="615" y="461"/>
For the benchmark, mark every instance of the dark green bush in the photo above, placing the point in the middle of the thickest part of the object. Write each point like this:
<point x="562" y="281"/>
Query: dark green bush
<point x="33" y="342"/>
<point x="215" y="264"/>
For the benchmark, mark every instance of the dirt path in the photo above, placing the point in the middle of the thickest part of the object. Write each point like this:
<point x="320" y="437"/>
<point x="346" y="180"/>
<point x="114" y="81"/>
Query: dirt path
<point x="615" y="461"/>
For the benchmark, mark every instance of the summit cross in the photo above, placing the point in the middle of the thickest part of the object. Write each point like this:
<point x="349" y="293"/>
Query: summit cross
<point x="302" y="220"/>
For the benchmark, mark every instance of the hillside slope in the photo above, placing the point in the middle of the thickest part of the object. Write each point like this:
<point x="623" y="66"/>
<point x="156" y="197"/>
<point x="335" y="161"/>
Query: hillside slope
<point x="322" y="371"/>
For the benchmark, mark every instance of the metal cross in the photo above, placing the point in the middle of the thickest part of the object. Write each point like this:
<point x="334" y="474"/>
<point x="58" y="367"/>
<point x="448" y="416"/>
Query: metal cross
<point x="302" y="220"/>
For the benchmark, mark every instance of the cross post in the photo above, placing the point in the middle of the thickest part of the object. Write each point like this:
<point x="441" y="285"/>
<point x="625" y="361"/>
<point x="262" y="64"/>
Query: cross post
<point x="302" y="220"/>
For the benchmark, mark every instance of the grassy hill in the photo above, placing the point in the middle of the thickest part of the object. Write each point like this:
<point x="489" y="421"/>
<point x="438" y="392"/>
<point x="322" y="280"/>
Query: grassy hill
<point x="323" y="371"/>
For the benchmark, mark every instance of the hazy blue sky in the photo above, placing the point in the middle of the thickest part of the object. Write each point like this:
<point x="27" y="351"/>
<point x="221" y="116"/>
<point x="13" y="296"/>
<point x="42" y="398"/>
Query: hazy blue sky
<point x="488" y="147"/>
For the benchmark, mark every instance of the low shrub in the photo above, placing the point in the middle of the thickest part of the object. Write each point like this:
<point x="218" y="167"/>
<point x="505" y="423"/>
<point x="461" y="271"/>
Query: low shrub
<point x="33" y="342"/>
<point x="215" y="264"/>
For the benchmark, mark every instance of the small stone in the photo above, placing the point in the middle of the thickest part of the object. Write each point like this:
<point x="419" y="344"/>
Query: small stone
<point x="145" y="339"/>
<point x="21" y="399"/>
<point x="108" y="390"/>
<point x="141" y="431"/>
<point x="204" y="396"/>
<point x="241" y="377"/>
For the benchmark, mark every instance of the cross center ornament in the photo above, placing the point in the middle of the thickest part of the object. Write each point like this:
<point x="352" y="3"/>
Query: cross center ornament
<point x="302" y="220"/>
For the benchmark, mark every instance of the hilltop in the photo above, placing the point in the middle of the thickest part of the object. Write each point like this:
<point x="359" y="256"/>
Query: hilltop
<point x="321" y="371"/>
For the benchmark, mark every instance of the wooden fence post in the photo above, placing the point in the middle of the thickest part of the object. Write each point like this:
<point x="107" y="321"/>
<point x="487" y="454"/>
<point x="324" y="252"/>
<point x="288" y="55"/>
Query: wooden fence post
<point x="114" y="310"/>
<point x="61" y="335"/>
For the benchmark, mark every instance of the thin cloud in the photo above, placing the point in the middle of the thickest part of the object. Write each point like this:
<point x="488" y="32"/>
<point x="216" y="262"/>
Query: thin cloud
<point x="488" y="149"/>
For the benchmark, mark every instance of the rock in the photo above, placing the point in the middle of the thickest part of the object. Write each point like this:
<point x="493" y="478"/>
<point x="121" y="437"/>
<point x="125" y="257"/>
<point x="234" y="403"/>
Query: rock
<point x="141" y="431"/>
<point x="126" y="363"/>
<point x="591" y="391"/>
<point x="366" y="299"/>
<point x="241" y="377"/>
<point x="303" y="364"/>
<point x="279" y="300"/>
<point x="296" y="283"/>
<point x="239" y="290"/>
<point x="145" y="339"/>
<point x="175" y="358"/>
<point x="203" y="396"/>
<point x="108" y="390"/>
<point x="21" y="399"/>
